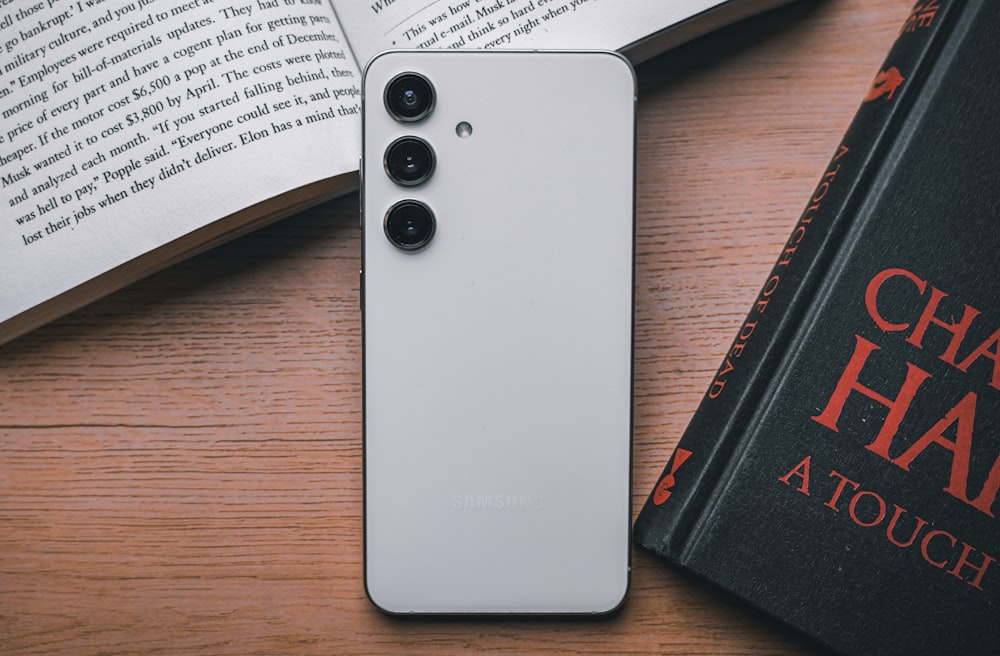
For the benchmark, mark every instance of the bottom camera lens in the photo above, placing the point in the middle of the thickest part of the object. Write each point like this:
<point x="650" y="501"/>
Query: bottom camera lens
<point x="409" y="224"/>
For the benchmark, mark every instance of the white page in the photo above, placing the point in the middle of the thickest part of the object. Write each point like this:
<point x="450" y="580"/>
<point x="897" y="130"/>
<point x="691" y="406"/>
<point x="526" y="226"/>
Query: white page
<point x="201" y="102"/>
<point x="376" y="25"/>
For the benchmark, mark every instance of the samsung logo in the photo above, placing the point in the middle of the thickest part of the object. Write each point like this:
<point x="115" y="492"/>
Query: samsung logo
<point x="496" y="502"/>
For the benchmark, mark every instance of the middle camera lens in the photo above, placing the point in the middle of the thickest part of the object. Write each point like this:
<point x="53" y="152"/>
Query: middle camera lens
<point x="409" y="161"/>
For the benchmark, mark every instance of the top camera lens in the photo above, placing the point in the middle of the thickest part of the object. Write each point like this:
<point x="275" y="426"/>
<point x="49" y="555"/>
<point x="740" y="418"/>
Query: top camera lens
<point x="409" y="97"/>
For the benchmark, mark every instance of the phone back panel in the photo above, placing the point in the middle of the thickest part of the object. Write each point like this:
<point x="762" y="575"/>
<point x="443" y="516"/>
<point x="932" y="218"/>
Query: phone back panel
<point x="498" y="359"/>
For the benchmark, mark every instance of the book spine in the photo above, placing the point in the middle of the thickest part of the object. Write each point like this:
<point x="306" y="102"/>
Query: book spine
<point x="713" y="439"/>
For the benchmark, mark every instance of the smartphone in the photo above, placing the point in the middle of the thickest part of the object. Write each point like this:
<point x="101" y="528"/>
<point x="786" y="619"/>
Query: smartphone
<point x="497" y="295"/>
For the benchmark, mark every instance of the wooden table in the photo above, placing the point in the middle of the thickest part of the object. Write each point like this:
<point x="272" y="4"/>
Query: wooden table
<point x="180" y="463"/>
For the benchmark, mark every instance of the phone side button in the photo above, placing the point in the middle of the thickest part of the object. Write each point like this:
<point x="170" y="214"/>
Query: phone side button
<point x="361" y="289"/>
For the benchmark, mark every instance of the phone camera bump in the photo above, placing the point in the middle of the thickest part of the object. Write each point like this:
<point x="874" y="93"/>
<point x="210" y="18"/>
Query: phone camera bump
<point x="409" y="97"/>
<point x="409" y="161"/>
<point x="409" y="225"/>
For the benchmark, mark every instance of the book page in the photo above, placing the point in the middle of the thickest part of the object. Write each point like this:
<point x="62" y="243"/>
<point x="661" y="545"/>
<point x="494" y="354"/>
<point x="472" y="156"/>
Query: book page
<point x="126" y="125"/>
<point x="377" y="25"/>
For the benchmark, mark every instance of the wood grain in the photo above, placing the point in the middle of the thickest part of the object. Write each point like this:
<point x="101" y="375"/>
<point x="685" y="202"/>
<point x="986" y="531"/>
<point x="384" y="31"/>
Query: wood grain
<point x="180" y="463"/>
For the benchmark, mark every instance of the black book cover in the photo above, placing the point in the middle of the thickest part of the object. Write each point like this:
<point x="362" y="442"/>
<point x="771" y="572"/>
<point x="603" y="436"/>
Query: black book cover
<point x="843" y="469"/>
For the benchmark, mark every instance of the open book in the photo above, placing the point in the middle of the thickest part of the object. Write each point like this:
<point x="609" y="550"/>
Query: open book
<point x="136" y="133"/>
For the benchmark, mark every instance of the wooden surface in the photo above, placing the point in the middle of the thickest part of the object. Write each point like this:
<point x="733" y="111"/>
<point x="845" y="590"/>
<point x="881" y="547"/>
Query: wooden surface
<point x="180" y="463"/>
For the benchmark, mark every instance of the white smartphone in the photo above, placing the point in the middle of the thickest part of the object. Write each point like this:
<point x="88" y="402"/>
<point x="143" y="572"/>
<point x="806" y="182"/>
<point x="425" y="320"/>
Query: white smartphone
<point x="497" y="289"/>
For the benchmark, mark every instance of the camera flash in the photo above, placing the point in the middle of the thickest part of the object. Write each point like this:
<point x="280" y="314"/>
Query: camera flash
<point x="463" y="129"/>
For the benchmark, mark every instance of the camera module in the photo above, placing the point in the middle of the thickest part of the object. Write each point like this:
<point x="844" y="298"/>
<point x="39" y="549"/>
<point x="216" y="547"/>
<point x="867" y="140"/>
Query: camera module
<point x="409" y="161"/>
<point x="409" y="225"/>
<point x="409" y="97"/>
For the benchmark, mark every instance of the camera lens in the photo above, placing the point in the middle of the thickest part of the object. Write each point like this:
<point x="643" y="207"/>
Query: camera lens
<point x="409" y="161"/>
<point x="409" y="225"/>
<point x="409" y="97"/>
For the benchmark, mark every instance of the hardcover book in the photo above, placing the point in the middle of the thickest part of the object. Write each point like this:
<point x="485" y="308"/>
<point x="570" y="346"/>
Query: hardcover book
<point x="135" y="133"/>
<point x="843" y="468"/>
